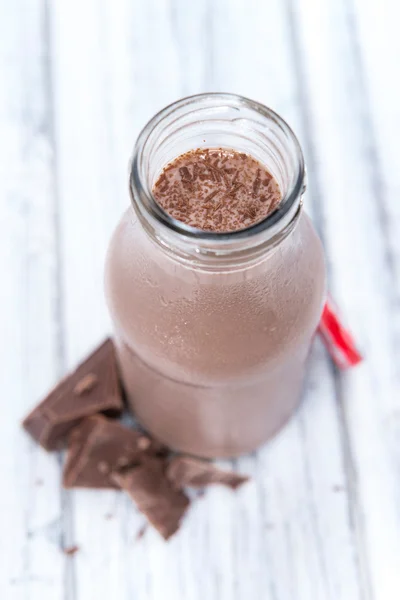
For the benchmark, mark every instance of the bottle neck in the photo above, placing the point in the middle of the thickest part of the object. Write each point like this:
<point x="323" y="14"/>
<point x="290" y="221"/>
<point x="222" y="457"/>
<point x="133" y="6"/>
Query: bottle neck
<point x="217" y="121"/>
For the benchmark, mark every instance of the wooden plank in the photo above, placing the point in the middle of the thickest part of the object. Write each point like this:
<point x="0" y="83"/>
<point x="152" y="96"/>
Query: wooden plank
<point x="31" y="521"/>
<point x="312" y="550"/>
<point x="87" y="196"/>
<point x="98" y="106"/>
<point x="377" y="51"/>
<point x="357" y="179"/>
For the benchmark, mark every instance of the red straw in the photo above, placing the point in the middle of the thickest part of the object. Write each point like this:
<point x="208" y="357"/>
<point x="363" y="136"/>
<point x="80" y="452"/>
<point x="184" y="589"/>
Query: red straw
<point x="337" y="339"/>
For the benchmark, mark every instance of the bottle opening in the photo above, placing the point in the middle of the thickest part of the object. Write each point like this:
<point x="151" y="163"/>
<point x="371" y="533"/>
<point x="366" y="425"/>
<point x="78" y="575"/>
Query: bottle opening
<point x="225" y="121"/>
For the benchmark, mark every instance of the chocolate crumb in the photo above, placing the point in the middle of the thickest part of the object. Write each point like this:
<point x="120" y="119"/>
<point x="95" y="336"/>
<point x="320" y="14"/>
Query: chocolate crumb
<point x="267" y="179"/>
<point x="71" y="550"/>
<point x="338" y="488"/>
<point x="185" y="174"/>
<point x="235" y="187"/>
<point x="251" y="211"/>
<point x="235" y="177"/>
<point x="143" y="443"/>
<point x="141" y="532"/>
<point x="256" y="184"/>
<point x="122" y="461"/>
<point x="211" y="196"/>
<point x="161" y="179"/>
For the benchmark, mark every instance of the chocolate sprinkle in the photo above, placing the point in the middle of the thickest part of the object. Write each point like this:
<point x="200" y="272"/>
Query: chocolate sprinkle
<point x="238" y="176"/>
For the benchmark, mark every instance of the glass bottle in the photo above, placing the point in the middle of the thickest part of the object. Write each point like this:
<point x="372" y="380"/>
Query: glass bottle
<point x="213" y="330"/>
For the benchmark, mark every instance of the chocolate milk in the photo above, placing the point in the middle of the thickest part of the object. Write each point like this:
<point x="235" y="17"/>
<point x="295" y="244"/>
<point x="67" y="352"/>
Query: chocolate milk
<point x="217" y="190"/>
<point x="213" y="359"/>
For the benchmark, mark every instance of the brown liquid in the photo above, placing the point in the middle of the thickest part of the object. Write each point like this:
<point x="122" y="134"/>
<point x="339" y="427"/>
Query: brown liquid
<point x="217" y="190"/>
<point x="213" y="361"/>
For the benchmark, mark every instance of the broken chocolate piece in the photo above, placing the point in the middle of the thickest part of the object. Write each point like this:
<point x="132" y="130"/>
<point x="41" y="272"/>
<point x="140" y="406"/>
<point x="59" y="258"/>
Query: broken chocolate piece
<point x="92" y="388"/>
<point x="154" y="495"/>
<point x="98" y="446"/>
<point x="185" y="471"/>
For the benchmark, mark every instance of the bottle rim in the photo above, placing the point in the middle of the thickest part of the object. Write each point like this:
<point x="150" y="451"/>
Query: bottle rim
<point x="141" y="193"/>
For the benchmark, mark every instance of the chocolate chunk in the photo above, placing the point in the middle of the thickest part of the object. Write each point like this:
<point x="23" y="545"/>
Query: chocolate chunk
<point x="211" y="196"/>
<point x="256" y="183"/>
<point x="98" y="446"/>
<point x="154" y="495"/>
<point x="267" y="179"/>
<point x="185" y="471"/>
<point x="92" y="388"/>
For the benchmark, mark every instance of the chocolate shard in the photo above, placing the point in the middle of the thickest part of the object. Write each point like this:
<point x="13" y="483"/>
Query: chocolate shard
<point x="153" y="494"/>
<point x="92" y="388"/>
<point x="99" y="446"/>
<point x="185" y="471"/>
<point x="185" y="174"/>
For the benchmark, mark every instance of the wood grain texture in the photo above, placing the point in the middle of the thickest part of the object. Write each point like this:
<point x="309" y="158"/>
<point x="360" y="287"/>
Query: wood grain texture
<point x="363" y="263"/>
<point x="329" y="563"/>
<point x="31" y="518"/>
<point x="78" y="80"/>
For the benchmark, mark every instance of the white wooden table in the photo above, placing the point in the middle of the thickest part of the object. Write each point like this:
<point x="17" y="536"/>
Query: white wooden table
<point x="78" y="79"/>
